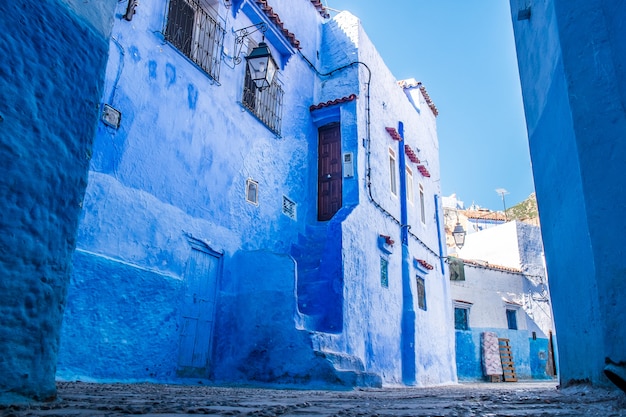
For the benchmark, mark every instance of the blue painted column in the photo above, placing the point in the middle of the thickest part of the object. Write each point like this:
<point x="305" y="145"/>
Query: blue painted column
<point x="408" y="313"/>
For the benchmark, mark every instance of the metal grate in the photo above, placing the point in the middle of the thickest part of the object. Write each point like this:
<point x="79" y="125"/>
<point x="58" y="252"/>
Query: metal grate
<point x="421" y="293"/>
<point x="194" y="32"/>
<point x="289" y="208"/>
<point x="266" y="104"/>
<point x="384" y="272"/>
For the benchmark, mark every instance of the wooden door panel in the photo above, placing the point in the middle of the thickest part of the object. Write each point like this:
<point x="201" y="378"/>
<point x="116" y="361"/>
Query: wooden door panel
<point x="329" y="172"/>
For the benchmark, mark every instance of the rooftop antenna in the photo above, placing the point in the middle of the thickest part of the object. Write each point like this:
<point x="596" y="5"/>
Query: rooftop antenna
<point x="502" y="193"/>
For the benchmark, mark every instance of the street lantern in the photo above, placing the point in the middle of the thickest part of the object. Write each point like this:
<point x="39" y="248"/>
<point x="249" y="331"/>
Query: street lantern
<point x="262" y="66"/>
<point x="459" y="235"/>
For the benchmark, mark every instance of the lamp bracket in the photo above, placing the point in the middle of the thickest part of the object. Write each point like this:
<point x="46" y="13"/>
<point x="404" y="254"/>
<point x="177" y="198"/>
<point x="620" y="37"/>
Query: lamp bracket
<point x="242" y="34"/>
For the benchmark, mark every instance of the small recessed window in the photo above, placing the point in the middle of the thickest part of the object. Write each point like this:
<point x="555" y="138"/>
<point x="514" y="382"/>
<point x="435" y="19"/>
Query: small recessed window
<point x="289" y="208"/>
<point x="384" y="272"/>
<point x="461" y="318"/>
<point x="409" y="185"/>
<point x="252" y="192"/>
<point x="511" y="319"/>
<point x="421" y="293"/>
<point x="392" y="172"/>
<point x="422" y="205"/>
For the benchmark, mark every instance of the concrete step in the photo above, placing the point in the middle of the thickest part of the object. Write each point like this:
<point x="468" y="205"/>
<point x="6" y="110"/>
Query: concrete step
<point x="350" y="371"/>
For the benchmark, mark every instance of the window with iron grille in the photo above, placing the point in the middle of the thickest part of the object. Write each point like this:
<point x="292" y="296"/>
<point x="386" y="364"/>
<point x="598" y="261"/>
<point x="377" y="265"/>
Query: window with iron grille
<point x="289" y="208"/>
<point x="384" y="272"/>
<point x="421" y="293"/>
<point x="194" y="32"/>
<point x="265" y="104"/>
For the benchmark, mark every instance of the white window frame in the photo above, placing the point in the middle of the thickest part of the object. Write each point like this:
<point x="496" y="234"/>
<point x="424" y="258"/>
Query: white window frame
<point x="254" y="184"/>
<point x="409" y="186"/>
<point x="422" y="204"/>
<point x="393" y="183"/>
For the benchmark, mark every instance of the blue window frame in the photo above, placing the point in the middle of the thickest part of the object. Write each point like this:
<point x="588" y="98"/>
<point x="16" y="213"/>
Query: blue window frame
<point x="511" y="319"/>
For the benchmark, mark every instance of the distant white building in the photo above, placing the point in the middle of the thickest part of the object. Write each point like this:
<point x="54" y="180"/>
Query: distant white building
<point x="498" y="284"/>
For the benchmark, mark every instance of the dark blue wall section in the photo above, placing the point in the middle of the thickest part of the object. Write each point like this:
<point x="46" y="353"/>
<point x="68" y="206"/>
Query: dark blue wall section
<point x="573" y="72"/>
<point x="135" y="337"/>
<point x="51" y="73"/>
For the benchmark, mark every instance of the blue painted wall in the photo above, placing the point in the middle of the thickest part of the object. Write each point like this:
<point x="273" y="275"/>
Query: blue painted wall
<point x="297" y="301"/>
<point x="529" y="356"/>
<point x="51" y="76"/>
<point x="135" y="337"/>
<point x="572" y="64"/>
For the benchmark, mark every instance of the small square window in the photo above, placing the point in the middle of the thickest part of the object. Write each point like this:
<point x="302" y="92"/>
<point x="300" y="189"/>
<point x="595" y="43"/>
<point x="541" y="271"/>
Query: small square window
<point x="384" y="272"/>
<point x="421" y="293"/>
<point x="252" y="192"/>
<point x="461" y="318"/>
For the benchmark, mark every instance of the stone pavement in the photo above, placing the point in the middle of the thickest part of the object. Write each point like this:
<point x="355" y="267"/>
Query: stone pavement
<point x="499" y="399"/>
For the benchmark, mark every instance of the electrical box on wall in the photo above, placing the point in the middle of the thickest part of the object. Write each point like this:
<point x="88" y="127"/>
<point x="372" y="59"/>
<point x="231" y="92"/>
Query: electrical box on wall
<point x="348" y="165"/>
<point x="111" y="117"/>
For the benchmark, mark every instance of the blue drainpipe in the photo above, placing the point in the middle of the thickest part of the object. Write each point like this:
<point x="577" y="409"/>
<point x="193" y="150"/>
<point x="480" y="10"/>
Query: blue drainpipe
<point x="408" y="313"/>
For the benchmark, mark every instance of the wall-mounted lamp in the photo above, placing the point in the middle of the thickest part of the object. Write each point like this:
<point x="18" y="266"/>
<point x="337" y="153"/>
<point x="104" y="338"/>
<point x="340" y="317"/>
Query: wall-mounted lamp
<point x="261" y="63"/>
<point x="459" y="235"/>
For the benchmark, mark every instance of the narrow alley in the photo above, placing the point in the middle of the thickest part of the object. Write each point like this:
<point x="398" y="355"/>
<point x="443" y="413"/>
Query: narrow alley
<point x="499" y="399"/>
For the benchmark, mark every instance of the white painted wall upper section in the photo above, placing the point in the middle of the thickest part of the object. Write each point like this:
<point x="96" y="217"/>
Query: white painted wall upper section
<point x="497" y="245"/>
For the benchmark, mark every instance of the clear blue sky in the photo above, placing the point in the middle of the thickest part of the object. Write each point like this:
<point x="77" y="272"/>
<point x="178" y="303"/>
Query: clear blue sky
<point x="464" y="53"/>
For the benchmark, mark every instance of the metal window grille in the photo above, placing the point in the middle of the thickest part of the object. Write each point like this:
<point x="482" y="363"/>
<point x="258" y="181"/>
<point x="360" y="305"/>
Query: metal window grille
<point x="289" y="208"/>
<point x="266" y="105"/>
<point x="384" y="272"/>
<point x="194" y="32"/>
<point x="421" y="293"/>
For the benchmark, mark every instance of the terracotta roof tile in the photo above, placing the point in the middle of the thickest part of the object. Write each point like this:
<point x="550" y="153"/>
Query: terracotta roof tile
<point x="406" y="84"/>
<point x="411" y="154"/>
<point x="320" y="8"/>
<point x="484" y="215"/>
<point x="487" y="265"/>
<point x="425" y="264"/>
<point x="393" y="133"/>
<point x="423" y="170"/>
<point x="273" y="16"/>
<point x="349" y="98"/>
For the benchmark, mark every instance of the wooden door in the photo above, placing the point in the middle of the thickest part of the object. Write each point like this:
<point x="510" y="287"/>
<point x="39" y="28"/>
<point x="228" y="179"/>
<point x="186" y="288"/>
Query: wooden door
<point x="329" y="175"/>
<point x="198" y="314"/>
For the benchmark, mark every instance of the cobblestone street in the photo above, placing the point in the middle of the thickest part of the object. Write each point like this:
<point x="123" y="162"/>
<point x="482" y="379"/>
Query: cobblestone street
<point x="500" y="399"/>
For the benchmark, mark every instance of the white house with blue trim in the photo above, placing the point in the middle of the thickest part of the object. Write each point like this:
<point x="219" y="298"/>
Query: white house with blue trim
<point x="499" y="285"/>
<point x="235" y="232"/>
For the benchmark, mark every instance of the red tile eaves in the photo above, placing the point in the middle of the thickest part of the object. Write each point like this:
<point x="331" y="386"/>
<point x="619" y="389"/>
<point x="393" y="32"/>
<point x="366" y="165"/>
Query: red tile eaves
<point x="273" y="16"/>
<point x="423" y="170"/>
<point x="425" y="264"/>
<point x="320" y="8"/>
<point x="393" y="133"/>
<point x="492" y="266"/>
<point x="411" y="154"/>
<point x="349" y="98"/>
<point x="405" y="84"/>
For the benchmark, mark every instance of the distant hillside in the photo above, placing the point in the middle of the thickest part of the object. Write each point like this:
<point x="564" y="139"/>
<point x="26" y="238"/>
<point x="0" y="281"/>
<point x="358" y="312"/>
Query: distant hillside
<point x="525" y="211"/>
